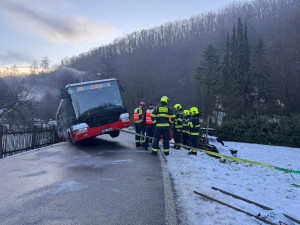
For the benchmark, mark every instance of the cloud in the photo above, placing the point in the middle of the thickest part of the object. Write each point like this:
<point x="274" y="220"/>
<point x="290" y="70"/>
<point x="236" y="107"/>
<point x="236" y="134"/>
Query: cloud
<point x="56" y="28"/>
<point x="12" y="57"/>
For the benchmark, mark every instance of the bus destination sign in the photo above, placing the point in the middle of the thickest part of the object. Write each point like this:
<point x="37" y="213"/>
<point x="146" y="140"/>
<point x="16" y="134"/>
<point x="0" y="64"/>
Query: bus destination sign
<point x="93" y="86"/>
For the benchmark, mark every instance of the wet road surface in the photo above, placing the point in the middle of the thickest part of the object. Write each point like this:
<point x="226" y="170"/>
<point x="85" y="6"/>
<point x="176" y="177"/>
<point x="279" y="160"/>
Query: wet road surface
<point x="102" y="181"/>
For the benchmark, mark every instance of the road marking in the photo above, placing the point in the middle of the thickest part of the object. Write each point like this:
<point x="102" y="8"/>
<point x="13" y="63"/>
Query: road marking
<point x="170" y="209"/>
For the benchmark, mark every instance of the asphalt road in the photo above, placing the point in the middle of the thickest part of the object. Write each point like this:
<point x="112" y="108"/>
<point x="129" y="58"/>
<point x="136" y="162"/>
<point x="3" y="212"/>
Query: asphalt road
<point x="102" y="181"/>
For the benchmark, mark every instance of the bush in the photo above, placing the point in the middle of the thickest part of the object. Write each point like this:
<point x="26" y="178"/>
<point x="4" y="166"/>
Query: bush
<point x="286" y="132"/>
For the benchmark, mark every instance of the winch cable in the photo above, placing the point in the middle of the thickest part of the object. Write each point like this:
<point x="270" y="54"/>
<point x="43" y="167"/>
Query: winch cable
<point x="227" y="157"/>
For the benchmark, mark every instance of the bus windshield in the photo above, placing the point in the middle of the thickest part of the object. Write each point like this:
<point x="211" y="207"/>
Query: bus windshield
<point x="95" y="98"/>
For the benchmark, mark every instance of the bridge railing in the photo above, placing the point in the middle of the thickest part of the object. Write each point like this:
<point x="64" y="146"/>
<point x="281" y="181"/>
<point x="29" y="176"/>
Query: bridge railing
<point x="12" y="142"/>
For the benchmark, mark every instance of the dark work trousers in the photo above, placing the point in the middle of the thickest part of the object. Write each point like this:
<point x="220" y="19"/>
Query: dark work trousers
<point x="150" y="129"/>
<point x="185" y="138"/>
<point x="193" y="141"/>
<point x="177" y="137"/>
<point x="165" y="132"/>
<point x="139" y="130"/>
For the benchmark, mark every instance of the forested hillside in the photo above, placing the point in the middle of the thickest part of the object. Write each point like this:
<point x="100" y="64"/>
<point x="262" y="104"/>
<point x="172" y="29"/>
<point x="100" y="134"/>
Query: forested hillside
<point x="240" y="61"/>
<point x="243" y="58"/>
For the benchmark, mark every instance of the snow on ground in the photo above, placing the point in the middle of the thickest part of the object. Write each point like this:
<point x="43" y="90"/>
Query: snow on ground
<point x="266" y="186"/>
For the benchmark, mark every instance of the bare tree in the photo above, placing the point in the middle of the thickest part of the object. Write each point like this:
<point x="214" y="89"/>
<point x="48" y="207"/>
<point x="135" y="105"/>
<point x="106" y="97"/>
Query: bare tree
<point x="15" y="100"/>
<point x="45" y="64"/>
<point x="34" y="67"/>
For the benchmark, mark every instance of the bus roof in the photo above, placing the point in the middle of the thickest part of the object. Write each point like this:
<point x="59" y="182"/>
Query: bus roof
<point x="89" y="82"/>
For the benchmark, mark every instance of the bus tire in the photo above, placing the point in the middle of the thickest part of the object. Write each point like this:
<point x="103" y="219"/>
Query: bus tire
<point x="115" y="133"/>
<point x="72" y="140"/>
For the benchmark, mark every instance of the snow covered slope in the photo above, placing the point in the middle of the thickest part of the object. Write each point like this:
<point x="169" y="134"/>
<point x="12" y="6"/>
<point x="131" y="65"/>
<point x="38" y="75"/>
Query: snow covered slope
<point x="266" y="186"/>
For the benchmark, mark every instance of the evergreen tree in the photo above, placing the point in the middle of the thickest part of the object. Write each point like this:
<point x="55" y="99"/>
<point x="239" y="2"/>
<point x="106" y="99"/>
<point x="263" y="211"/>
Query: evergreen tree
<point x="261" y="78"/>
<point x="240" y="62"/>
<point x="246" y="50"/>
<point x="227" y="85"/>
<point x="208" y="76"/>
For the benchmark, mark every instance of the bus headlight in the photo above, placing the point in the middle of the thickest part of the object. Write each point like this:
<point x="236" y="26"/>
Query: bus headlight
<point x="125" y="120"/>
<point x="124" y="117"/>
<point x="81" y="130"/>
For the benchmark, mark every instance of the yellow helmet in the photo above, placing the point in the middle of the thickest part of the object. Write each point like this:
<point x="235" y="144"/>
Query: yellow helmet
<point x="194" y="110"/>
<point x="164" y="99"/>
<point x="186" y="112"/>
<point x="177" y="106"/>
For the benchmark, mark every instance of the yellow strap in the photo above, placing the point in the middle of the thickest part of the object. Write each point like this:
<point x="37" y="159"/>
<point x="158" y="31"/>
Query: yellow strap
<point x="215" y="154"/>
<point x="163" y="125"/>
<point x="162" y="115"/>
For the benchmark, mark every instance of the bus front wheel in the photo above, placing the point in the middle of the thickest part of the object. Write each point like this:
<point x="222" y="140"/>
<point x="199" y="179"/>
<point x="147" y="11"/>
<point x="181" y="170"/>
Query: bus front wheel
<point x="114" y="133"/>
<point x="72" y="140"/>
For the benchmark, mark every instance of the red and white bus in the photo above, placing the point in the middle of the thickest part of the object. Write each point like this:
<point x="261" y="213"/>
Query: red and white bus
<point x="89" y="109"/>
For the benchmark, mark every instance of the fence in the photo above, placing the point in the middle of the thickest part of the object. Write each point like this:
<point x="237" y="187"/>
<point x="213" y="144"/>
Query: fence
<point x="12" y="142"/>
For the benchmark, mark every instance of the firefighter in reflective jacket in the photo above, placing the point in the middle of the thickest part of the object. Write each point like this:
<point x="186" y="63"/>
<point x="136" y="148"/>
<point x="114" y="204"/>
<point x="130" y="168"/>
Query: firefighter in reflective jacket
<point x="138" y="122"/>
<point x="177" y="129"/>
<point x="160" y="116"/>
<point x="194" y="127"/>
<point x="150" y="126"/>
<point x="185" y="129"/>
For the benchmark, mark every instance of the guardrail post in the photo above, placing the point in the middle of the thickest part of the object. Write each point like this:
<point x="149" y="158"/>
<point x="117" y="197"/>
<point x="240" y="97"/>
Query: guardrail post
<point x="1" y="134"/>
<point x="33" y="140"/>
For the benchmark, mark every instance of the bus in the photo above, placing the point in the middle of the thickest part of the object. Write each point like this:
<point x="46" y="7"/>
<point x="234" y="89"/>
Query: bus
<point x="89" y="109"/>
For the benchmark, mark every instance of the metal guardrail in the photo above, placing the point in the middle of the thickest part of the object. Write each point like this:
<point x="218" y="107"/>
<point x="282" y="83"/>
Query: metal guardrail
<point x="12" y="142"/>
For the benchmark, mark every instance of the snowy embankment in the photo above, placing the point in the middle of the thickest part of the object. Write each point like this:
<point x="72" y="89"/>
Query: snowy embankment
<point x="266" y="186"/>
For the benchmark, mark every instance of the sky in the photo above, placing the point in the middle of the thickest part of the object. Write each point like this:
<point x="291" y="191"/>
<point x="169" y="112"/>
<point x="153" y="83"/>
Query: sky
<point x="33" y="29"/>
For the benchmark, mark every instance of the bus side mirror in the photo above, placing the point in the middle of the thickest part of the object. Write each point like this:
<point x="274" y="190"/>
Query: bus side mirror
<point x="63" y="93"/>
<point x="122" y="86"/>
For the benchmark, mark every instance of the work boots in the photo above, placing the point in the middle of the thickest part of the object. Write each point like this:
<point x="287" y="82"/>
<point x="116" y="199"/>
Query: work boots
<point x="153" y="153"/>
<point x="192" y="153"/>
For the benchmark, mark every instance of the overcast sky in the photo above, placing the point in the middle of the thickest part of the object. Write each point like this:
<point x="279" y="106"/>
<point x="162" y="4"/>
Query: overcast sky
<point x="32" y="29"/>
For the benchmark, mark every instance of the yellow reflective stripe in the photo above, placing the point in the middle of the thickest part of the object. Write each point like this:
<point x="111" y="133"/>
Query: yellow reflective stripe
<point x="138" y="121"/>
<point x="166" y="150"/>
<point x="162" y="115"/>
<point x="137" y="141"/>
<point x="162" y="124"/>
<point x="173" y="116"/>
<point x="179" y="119"/>
<point x="178" y="126"/>
<point x="153" y="115"/>
<point x="191" y="125"/>
<point x="154" y="149"/>
<point x="197" y="125"/>
<point x="185" y="131"/>
<point x="192" y="133"/>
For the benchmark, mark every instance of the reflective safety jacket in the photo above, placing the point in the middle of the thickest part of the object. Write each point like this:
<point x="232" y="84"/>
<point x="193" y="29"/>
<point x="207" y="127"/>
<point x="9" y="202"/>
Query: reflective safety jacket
<point x="160" y="116"/>
<point x="185" y="124"/>
<point x="138" y="115"/>
<point x="194" y="125"/>
<point x="148" y="116"/>
<point x="179" y="120"/>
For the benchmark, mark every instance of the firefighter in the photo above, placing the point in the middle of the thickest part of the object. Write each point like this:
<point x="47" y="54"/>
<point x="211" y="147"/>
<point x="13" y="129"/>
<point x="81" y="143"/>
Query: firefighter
<point x="138" y="122"/>
<point x="160" y="116"/>
<point x="185" y="128"/>
<point x="150" y="126"/>
<point x="194" y="127"/>
<point x="177" y="129"/>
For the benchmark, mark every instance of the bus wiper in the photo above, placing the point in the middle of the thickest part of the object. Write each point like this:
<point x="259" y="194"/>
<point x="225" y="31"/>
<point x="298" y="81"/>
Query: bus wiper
<point x="114" y="107"/>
